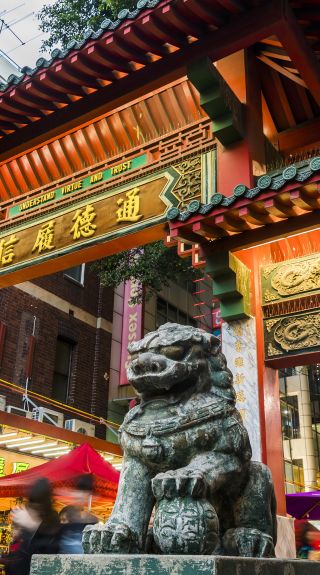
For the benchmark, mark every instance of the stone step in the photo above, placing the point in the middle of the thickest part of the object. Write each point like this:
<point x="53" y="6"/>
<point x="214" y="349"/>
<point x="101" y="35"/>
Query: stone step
<point x="168" y="565"/>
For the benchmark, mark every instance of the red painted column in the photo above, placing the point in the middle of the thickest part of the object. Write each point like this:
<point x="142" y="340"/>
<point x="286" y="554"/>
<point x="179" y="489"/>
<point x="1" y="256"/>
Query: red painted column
<point x="268" y="382"/>
<point x="238" y="163"/>
<point x="234" y="167"/>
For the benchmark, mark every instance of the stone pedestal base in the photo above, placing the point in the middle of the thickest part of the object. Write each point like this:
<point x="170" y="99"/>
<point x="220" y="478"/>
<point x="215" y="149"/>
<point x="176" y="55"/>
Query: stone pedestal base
<point x="167" y="565"/>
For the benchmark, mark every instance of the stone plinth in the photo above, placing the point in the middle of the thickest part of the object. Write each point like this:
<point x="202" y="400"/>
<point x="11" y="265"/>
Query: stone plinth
<point x="167" y="565"/>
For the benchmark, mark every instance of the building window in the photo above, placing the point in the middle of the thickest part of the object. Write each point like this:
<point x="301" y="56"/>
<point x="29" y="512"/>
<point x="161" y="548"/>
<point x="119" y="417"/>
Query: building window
<point x="290" y="417"/>
<point x="300" y="416"/>
<point x="76" y="274"/>
<point x="294" y="475"/>
<point x="166" y="312"/>
<point x="62" y="370"/>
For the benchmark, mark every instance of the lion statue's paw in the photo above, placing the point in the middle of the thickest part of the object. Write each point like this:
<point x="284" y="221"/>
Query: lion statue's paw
<point x="109" y="538"/>
<point x="91" y="539"/>
<point x="180" y="483"/>
<point x="248" y="542"/>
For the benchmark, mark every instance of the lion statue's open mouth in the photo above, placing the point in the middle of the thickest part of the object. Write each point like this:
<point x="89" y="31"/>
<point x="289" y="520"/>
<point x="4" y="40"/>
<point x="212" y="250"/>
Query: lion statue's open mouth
<point x="187" y="456"/>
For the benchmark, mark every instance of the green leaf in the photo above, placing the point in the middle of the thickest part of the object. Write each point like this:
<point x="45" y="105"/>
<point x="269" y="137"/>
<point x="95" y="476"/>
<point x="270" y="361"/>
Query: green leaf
<point x="67" y="20"/>
<point x="153" y="266"/>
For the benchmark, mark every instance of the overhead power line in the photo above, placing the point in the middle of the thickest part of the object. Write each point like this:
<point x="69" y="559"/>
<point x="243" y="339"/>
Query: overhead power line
<point x="12" y="9"/>
<point x="4" y="25"/>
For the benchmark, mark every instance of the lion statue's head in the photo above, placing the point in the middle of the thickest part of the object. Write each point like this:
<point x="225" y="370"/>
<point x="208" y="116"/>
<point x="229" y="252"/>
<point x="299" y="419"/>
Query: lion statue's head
<point x="177" y="358"/>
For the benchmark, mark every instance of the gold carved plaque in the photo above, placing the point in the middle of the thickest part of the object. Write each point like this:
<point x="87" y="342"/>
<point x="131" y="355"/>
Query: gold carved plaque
<point x="113" y="214"/>
<point x="297" y="277"/>
<point x="298" y="333"/>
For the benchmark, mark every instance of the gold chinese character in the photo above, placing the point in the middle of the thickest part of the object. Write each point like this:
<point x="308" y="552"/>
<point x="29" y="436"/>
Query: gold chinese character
<point x="45" y="238"/>
<point x="238" y="362"/>
<point x="243" y="413"/>
<point x="7" y="251"/>
<point x="238" y="330"/>
<point x="83" y="223"/>
<point x="238" y="346"/>
<point x="239" y="379"/>
<point x="129" y="210"/>
<point x="19" y="466"/>
<point x="240" y="397"/>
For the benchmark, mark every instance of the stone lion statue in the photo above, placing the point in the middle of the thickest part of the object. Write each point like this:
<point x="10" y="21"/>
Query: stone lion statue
<point x="187" y="458"/>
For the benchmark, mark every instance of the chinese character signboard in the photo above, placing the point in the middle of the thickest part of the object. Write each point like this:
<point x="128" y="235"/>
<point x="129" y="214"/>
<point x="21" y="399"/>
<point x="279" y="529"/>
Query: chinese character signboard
<point x="109" y="215"/>
<point x="89" y="218"/>
<point x="131" y="327"/>
<point x="239" y="347"/>
<point x="77" y="186"/>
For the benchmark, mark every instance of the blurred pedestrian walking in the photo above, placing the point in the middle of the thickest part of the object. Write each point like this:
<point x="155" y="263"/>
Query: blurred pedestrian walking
<point x="40" y="526"/>
<point x="71" y="530"/>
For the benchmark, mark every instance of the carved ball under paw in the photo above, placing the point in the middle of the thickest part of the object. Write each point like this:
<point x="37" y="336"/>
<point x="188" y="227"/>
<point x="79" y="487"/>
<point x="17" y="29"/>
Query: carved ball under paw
<point x="186" y="526"/>
<point x="179" y="483"/>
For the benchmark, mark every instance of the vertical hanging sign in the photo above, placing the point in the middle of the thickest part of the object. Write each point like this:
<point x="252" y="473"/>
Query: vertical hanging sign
<point x="131" y="327"/>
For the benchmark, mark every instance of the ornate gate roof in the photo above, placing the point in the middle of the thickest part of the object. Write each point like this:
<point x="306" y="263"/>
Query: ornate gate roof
<point x="149" y="47"/>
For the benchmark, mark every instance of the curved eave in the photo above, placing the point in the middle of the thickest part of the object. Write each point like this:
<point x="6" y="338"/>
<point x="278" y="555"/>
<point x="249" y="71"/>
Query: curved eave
<point x="142" y="51"/>
<point x="257" y="215"/>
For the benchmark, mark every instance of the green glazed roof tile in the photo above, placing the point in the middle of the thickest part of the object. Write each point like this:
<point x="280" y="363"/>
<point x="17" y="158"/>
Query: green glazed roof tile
<point x="76" y="45"/>
<point x="274" y="181"/>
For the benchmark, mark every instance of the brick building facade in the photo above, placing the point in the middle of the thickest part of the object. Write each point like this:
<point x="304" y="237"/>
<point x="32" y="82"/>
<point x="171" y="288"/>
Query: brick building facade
<point x="71" y="323"/>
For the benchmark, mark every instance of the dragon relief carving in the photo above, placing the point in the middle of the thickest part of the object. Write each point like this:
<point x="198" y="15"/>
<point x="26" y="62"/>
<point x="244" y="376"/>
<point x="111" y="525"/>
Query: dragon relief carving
<point x="187" y="458"/>
<point x="293" y="333"/>
<point x="297" y="277"/>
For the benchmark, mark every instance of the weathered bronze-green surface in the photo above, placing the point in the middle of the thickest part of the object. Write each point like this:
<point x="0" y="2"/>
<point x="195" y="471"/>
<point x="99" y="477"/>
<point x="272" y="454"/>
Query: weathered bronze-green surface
<point x="167" y="565"/>
<point x="187" y="458"/>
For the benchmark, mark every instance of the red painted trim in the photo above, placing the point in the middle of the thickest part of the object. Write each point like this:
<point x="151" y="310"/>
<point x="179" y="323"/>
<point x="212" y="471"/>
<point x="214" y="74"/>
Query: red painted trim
<point x="296" y="359"/>
<point x="53" y="432"/>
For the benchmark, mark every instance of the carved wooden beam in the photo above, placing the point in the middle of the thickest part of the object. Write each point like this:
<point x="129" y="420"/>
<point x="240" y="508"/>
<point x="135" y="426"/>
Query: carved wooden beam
<point x="208" y="231"/>
<point x="300" y="52"/>
<point x="218" y="101"/>
<point x="296" y="138"/>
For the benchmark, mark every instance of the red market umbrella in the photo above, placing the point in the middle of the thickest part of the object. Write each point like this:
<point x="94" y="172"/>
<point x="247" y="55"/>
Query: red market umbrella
<point x="63" y="472"/>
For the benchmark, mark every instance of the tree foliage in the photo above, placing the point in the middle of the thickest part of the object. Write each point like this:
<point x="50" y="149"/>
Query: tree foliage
<point x="67" y="20"/>
<point x="153" y="266"/>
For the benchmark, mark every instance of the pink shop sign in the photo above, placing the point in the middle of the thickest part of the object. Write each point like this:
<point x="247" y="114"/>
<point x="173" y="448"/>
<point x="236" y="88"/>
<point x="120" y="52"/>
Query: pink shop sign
<point x="131" y="327"/>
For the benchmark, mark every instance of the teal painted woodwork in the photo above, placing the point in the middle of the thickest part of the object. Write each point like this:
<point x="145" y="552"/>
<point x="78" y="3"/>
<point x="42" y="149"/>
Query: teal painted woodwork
<point x="230" y="284"/>
<point x="218" y="101"/>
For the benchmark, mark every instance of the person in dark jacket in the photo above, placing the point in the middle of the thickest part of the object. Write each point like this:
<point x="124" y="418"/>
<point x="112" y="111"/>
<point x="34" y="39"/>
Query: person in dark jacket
<point x="71" y="530"/>
<point x="40" y="524"/>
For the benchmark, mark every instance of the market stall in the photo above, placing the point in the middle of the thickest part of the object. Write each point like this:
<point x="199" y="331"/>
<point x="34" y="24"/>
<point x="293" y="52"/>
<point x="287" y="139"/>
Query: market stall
<point x="63" y="473"/>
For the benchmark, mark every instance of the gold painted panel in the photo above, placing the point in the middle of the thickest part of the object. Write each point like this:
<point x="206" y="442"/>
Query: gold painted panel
<point x="290" y="279"/>
<point x="292" y="334"/>
<point x="120" y="212"/>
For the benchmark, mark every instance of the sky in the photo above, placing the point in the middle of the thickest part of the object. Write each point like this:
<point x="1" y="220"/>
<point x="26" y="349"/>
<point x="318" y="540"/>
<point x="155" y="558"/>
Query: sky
<point x="20" y="16"/>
